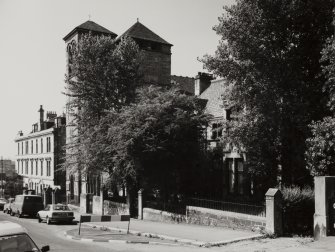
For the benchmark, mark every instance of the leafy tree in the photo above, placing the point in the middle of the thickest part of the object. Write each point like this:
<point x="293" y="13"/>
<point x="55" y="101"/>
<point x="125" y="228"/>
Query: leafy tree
<point x="155" y="142"/>
<point x="320" y="154"/>
<point x="270" y="53"/>
<point x="104" y="76"/>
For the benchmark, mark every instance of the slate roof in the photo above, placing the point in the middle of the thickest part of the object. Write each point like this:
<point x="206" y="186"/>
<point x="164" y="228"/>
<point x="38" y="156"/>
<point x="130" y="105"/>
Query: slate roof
<point x="185" y="83"/>
<point x="139" y="31"/>
<point x="90" y="26"/>
<point x="213" y="95"/>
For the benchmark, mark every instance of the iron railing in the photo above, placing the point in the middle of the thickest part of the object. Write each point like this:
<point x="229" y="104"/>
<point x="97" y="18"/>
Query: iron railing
<point x="237" y="207"/>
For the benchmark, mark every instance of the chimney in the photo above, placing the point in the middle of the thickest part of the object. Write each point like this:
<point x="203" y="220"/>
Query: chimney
<point x="202" y="82"/>
<point x="20" y="133"/>
<point x="41" y="110"/>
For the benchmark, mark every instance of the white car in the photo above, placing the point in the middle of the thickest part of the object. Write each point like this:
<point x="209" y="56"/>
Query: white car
<point x="14" y="237"/>
<point x="56" y="213"/>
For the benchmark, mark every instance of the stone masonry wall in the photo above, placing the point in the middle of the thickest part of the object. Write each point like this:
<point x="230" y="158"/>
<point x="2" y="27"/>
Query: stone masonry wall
<point x="211" y="217"/>
<point x="156" y="67"/>
<point x="162" y="216"/>
<point x="115" y="208"/>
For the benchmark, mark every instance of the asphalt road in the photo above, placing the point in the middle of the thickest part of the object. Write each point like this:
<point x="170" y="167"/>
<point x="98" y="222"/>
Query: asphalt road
<point x="53" y="235"/>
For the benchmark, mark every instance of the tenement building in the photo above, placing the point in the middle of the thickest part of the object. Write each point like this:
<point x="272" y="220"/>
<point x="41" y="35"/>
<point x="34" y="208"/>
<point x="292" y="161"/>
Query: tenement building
<point x="41" y="152"/>
<point x="155" y="68"/>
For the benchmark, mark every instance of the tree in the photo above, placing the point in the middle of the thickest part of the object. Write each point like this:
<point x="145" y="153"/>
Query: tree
<point x="270" y="53"/>
<point x="321" y="145"/>
<point x="104" y="77"/>
<point x="155" y="142"/>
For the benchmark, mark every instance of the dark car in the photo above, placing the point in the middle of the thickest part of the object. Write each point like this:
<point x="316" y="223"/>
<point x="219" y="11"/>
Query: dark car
<point x="26" y="205"/>
<point x="2" y="203"/>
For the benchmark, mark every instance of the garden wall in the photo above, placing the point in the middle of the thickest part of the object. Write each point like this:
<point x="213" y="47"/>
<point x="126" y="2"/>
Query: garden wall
<point x="115" y="208"/>
<point x="162" y="216"/>
<point x="217" y="218"/>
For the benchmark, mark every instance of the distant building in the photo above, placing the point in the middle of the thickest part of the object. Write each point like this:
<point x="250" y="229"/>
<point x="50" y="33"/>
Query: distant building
<point x="7" y="168"/>
<point x="40" y="153"/>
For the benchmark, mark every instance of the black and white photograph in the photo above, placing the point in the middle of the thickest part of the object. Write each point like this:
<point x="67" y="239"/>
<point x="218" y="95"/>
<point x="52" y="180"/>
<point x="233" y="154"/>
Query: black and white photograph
<point x="167" y="125"/>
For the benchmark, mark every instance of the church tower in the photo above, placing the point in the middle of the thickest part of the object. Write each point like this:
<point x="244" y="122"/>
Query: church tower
<point x="75" y="182"/>
<point x="156" y="65"/>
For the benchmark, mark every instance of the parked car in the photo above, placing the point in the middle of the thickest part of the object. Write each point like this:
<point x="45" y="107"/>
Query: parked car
<point x="2" y="203"/>
<point x="26" y="205"/>
<point x="14" y="237"/>
<point x="7" y="207"/>
<point x="56" y="213"/>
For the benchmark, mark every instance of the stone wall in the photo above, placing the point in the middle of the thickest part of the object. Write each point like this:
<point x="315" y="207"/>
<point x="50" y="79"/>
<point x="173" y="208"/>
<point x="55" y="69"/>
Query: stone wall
<point x="162" y="216"/>
<point x="97" y="206"/>
<point x="115" y="208"/>
<point x="217" y="218"/>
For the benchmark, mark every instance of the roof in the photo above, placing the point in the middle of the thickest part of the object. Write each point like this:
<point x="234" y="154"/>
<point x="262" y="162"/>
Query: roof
<point x="90" y="26"/>
<point x="11" y="228"/>
<point x="185" y="83"/>
<point x="213" y="95"/>
<point x="139" y="31"/>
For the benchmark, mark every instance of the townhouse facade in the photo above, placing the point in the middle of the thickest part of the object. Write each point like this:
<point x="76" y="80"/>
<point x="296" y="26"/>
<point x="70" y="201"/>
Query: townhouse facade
<point x="40" y="153"/>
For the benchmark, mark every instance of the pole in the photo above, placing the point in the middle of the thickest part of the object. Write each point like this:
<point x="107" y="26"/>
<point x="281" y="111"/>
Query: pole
<point x="2" y="190"/>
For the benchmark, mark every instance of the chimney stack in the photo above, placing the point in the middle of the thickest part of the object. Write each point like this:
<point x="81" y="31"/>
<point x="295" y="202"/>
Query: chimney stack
<point x="202" y="82"/>
<point x="41" y="111"/>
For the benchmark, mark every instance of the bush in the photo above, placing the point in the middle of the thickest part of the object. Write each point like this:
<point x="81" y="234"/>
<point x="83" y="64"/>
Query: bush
<point x="298" y="210"/>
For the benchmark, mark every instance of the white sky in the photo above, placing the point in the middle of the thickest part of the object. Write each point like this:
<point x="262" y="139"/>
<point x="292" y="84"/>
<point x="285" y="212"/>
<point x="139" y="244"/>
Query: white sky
<point x="32" y="51"/>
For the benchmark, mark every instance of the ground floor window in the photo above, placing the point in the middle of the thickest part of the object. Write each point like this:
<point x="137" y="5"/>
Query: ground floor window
<point x="236" y="175"/>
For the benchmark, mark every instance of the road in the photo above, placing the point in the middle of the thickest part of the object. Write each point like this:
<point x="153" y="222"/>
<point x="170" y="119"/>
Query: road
<point x="53" y="235"/>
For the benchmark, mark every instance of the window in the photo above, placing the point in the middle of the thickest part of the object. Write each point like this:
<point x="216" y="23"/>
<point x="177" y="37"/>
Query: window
<point x="18" y="148"/>
<point x="48" y="144"/>
<point x="41" y="145"/>
<point x="26" y="147"/>
<point x="36" y="167"/>
<point x="41" y="167"/>
<point x="26" y="172"/>
<point x="240" y="177"/>
<point x="31" y="167"/>
<point x="21" y="166"/>
<point x="48" y="168"/>
<point x="36" y="151"/>
<point x="22" y="148"/>
<point x="32" y="146"/>
<point x="18" y="166"/>
<point x="216" y="130"/>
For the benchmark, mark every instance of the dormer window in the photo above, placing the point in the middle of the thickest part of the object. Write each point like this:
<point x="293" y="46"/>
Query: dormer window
<point x="216" y="131"/>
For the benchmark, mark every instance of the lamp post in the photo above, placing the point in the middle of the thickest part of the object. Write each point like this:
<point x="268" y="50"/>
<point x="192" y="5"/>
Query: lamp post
<point x="2" y="190"/>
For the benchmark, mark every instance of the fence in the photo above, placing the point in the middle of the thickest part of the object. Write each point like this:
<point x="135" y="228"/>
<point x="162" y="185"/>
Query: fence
<point x="180" y="207"/>
<point x="237" y="207"/>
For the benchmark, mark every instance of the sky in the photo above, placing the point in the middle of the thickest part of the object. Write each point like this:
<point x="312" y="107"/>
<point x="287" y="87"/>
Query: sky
<point x="32" y="50"/>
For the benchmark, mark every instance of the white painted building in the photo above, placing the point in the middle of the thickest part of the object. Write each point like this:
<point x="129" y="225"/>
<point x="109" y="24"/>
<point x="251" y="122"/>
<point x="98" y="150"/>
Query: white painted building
<point x="40" y="153"/>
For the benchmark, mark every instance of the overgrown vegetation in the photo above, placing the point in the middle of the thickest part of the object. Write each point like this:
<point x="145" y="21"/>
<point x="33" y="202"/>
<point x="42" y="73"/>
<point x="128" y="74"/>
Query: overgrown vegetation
<point x="298" y="210"/>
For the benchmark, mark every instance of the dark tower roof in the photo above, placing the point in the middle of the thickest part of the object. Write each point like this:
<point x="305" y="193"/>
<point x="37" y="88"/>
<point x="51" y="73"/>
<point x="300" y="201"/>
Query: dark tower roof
<point x="139" y="31"/>
<point x="90" y="26"/>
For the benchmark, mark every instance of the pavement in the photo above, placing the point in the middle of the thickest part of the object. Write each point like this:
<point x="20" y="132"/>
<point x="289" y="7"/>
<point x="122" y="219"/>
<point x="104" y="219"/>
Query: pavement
<point x="159" y="232"/>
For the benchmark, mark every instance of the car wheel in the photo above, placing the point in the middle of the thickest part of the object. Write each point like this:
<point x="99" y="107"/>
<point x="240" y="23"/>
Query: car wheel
<point x="39" y="218"/>
<point x="11" y="213"/>
<point x="19" y="215"/>
<point x="48" y="220"/>
<point x="5" y="211"/>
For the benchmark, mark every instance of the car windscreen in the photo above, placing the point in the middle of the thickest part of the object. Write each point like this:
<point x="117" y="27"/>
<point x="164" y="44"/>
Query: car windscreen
<point x="17" y="243"/>
<point x="61" y="208"/>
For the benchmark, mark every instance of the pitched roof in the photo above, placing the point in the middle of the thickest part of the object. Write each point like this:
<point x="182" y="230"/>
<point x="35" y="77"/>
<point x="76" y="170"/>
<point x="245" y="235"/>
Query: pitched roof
<point x="185" y="83"/>
<point x="90" y="26"/>
<point x="213" y="95"/>
<point x="139" y="31"/>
